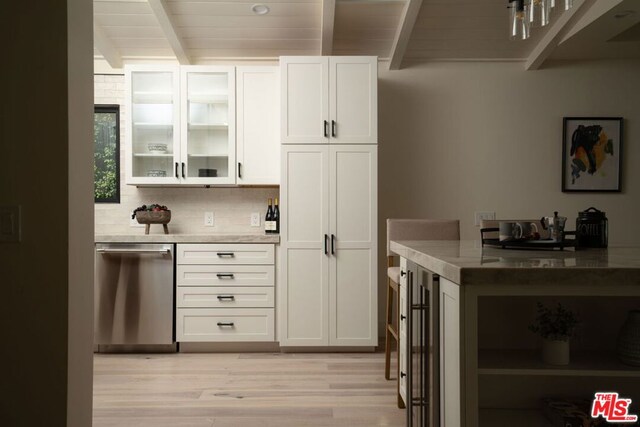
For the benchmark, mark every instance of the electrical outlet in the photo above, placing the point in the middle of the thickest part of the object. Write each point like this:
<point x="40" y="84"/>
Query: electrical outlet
<point x="9" y="223"/>
<point x="479" y="216"/>
<point x="255" y="219"/>
<point x="208" y="219"/>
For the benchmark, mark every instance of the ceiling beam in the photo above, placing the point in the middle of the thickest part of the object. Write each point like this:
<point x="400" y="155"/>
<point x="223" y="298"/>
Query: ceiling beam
<point x="403" y="33"/>
<point x="161" y="11"/>
<point x="554" y="35"/>
<point x="105" y="46"/>
<point x="595" y="12"/>
<point x="328" y="20"/>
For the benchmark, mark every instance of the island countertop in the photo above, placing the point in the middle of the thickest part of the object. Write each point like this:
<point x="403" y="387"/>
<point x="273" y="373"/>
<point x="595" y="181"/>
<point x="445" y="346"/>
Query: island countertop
<point x="188" y="238"/>
<point x="466" y="262"/>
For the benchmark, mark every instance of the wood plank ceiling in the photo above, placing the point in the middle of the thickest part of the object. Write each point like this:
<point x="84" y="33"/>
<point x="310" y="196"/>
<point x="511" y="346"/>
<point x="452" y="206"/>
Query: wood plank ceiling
<point x="197" y="31"/>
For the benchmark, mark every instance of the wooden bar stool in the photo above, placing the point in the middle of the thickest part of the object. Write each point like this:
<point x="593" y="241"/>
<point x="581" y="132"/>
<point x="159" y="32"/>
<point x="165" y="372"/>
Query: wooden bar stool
<point x="398" y="230"/>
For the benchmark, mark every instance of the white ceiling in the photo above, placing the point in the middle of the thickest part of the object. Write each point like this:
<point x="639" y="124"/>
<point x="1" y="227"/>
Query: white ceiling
<point x="133" y="30"/>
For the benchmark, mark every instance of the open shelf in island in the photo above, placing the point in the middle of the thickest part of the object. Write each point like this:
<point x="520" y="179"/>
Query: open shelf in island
<point x="529" y="362"/>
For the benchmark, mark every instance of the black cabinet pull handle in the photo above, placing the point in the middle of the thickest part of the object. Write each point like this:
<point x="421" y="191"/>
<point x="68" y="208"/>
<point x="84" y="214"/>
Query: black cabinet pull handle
<point x="184" y="175"/>
<point x="402" y="317"/>
<point x="333" y="246"/>
<point x="403" y="273"/>
<point x="402" y="374"/>
<point x="326" y="244"/>
<point x="225" y="254"/>
<point x="326" y="129"/>
<point x="177" y="173"/>
<point x="226" y="297"/>
<point x="221" y="275"/>
<point x="239" y="170"/>
<point x="221" y="324"/>
<point x="333" y="128"/>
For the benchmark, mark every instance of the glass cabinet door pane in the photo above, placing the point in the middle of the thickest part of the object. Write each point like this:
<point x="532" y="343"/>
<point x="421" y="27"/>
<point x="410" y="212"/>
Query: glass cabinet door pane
<point x="153" y="110"/>
<point x="208" y="124"/>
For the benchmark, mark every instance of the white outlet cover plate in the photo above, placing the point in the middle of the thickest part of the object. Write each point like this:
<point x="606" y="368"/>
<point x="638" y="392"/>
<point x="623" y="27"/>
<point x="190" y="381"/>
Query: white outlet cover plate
<point x="208" y="219"/>
<point x="255" y="219"/>
<point x="486" y="215"/>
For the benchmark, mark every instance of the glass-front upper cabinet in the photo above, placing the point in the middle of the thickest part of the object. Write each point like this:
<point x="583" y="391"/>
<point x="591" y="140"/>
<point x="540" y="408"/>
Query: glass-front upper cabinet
<point x="153" y="115"/>
<point x="208" y="125"/>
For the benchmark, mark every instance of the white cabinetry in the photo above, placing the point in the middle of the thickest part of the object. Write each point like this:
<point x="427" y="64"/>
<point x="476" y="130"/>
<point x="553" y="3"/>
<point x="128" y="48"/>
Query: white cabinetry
<point x="208" y="125"/>
<point x="258" y="129"/>
<point x="450" y="375"/>
<point x="181" y="123"/>
<point x="225" y="292"/>
<point x="402" y="331"/>
<point x="329" y="99"/>
<point x="152" y="110"/>
<point x="329" y="238"/>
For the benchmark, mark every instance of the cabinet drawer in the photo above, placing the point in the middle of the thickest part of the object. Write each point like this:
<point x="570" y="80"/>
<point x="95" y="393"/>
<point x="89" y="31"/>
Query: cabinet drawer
<point x="228" y="254"/>
<point x="224" y="324"/>
<point x="225" y="297"/>
<point x="225" y="275"/>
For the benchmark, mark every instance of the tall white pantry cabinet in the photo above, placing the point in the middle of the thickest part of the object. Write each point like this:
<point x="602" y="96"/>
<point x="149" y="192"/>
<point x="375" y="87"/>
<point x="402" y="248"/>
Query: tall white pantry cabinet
<point x="328" y="294"/>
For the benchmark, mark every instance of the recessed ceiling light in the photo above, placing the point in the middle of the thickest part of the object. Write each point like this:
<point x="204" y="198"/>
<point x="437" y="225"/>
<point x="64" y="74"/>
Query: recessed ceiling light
<point x="260" y="9"/>
<point x="624" y="14"/>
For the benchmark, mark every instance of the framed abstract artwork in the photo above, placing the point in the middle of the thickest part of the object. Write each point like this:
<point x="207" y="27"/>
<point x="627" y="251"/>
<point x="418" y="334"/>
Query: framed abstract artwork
<point x="592" y="154"/>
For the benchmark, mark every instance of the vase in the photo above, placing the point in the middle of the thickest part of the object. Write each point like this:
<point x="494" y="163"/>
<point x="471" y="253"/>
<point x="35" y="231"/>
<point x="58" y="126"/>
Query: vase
<point x="555" y="352"/>
<point x="628" y="347"/>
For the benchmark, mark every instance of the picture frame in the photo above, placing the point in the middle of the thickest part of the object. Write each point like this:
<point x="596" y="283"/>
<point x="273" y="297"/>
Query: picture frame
<point x="592" y="154"/>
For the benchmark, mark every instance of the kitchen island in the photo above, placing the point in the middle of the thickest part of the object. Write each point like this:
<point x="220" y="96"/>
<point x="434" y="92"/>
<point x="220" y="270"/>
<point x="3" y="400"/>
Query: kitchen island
<point x="490" y="371"/>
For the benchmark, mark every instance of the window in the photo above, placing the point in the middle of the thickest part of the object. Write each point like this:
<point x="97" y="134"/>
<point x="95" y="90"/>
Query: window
<point x="106" y="155"/>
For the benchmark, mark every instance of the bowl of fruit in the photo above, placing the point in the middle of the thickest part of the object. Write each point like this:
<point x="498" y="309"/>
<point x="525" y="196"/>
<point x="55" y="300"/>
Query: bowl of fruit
<point x="152" y="214"/>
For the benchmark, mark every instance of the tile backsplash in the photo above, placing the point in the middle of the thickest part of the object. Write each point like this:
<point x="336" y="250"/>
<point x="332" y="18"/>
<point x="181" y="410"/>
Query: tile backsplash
<point x="231" y="207"/>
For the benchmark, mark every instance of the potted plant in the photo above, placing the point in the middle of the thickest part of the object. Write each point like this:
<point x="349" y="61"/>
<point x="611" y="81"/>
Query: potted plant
<point x="556" y="327"/>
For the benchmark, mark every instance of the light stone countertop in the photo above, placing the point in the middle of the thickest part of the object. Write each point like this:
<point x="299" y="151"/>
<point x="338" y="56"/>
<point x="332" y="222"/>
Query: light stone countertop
<point x="188" y="238"/>
<point x="466" y="262"/>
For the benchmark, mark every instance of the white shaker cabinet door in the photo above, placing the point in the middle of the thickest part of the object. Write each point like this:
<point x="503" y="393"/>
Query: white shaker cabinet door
<point x="258" y="125"/>
<point x="353" y="245"/>
<point x="304" y="99"/>
<point x="304" y="295"/>
<point x="353" y="99"/>
<point x="208" y="96"/>
<point x="152" y="109"/>
<point x="450" y="376"/>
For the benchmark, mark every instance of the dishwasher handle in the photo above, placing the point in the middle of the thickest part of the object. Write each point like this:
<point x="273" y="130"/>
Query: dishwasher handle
<point x="134" y="251"/>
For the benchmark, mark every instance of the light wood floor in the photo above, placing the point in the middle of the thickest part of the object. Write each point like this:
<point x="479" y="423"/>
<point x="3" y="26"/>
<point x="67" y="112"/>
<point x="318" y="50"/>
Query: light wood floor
<point x="244" y="390"/>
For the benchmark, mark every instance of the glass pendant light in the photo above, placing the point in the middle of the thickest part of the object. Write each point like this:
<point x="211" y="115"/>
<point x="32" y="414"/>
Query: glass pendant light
<point x="539" y="12"/>
<point x="568" y="4"/>
<point x="519" y="19"/>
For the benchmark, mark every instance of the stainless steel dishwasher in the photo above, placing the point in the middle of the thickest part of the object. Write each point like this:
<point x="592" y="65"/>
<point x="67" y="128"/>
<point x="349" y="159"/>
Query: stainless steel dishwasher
<point x="134" y="294"/>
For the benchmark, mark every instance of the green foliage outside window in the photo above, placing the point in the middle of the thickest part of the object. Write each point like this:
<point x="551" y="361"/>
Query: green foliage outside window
<point x="106" y="165"/>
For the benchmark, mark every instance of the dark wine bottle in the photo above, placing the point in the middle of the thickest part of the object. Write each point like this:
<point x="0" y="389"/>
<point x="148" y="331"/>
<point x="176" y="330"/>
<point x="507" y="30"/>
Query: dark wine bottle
<point x="276" y="217"/>
<point x="268" y="219"/>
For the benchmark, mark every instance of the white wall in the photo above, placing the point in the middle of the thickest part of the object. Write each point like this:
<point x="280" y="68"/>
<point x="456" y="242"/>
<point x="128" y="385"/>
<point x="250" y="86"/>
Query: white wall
<point x="456" y="138"/>
<point x="45" y="123"/>
<point x="80" y="218"/>
<point x="232" y="207"/>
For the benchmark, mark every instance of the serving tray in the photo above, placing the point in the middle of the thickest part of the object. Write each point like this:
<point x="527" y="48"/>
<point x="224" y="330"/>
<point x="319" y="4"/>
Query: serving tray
<point x="526" y="244"/>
